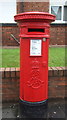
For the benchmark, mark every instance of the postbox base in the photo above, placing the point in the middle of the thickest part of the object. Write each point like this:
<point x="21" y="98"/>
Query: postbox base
<point x="33" y="110"/>
<point x="33" y="103"/>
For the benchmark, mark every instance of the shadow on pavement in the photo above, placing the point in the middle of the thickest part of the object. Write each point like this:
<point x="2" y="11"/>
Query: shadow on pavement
<point x="53" y="110"/>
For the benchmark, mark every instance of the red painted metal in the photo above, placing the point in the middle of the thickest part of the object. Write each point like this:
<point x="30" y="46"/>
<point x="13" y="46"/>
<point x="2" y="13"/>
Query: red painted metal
<point x="34" y="69"/>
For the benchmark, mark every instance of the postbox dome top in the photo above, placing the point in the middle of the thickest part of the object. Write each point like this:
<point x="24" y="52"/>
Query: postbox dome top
<point x="40" y="16"/>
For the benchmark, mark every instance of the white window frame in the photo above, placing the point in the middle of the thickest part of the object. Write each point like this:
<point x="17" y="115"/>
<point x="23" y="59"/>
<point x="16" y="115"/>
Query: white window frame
<point x="62" y="13"/>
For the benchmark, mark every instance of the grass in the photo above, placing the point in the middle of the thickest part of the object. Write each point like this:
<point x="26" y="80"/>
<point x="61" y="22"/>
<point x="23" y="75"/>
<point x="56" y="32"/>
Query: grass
<point x="10" y="57"/>
<point x="57" y="57"/>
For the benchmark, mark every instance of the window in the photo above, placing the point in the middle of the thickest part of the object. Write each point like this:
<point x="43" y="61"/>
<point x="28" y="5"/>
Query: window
<point x="56" y="10"/>
<point x="60" y="12"/>
<point x="65" y="13"/>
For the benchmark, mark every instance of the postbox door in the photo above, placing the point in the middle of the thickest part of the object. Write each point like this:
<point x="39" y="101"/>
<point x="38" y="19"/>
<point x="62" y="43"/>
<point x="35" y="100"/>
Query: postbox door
<point x="34" y="69"/>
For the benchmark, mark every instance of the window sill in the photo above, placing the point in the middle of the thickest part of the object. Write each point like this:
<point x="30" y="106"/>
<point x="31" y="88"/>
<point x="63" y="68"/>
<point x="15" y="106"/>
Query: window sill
<point x="59" y="22"/>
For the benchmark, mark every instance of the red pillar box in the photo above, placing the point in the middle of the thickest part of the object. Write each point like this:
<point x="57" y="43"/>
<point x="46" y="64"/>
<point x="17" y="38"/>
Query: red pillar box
<point x="34" y="43"/>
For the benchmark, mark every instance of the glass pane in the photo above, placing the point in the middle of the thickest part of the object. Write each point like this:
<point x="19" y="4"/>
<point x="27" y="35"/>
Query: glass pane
<point x="56" y="10"/>
<point x="65" y="13"/>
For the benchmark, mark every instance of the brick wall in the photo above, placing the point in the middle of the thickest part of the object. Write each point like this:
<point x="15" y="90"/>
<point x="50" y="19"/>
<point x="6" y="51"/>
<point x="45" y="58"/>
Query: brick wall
<point x="58" y="34"/>
<point x="7" y="30"/>
<point x="10" y="83"/>
<point x="32" y="6"/>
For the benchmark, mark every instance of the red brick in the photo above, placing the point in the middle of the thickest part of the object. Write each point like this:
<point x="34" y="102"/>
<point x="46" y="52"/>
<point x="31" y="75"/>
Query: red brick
<point x="57" y="83"/>
<point x="0" y="84"/>
<point x="55" y="71"/>
<point x="1" y="89"/>
<point x="10" y="90"/>
<point x="50" y="71"/>
<point x="5" y="80"/>
<point x="55" y="92"/>
<point x="65" y="70"/>
<point x="7" y="72"/>
<point x="57" y="78"/>
<point x="17" y="72"/>
<point x="2" y="72"/>
<point x="6" y="35"/>
<point x="13" y="73"/>
<point x="10" y="97"/>
<point x="60" y="70"/>
<point x="57" y="35"/>
<point x="32" y="6"/>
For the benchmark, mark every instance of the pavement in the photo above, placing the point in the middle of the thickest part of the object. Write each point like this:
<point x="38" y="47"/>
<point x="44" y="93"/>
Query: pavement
<point x="55" y="109"/>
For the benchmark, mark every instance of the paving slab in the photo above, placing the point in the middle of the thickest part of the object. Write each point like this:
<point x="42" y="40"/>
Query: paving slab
<point x="54" y="110"/>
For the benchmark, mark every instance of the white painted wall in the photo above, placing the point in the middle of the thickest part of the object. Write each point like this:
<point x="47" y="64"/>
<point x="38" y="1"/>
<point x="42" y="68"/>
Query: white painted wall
<point x="7" y="11"/>
<point x="58" y="2"/>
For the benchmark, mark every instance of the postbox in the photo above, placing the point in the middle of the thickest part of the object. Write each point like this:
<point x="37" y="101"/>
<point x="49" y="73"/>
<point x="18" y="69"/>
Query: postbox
<point x="34" y="45"/>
